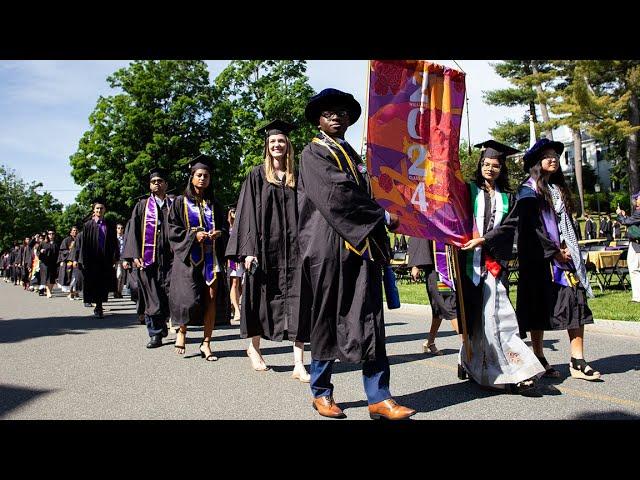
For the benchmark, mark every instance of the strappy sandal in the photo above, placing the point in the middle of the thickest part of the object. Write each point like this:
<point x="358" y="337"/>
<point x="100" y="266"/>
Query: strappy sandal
<point x="550" y="372"/>
<point x="209" y="358"/>
<point x="180" y="347"/>
<point x="257" y="362"/>
<point x="580" y="369"/>
<point x="526" y="388"/>
<point x="431" y="349"/>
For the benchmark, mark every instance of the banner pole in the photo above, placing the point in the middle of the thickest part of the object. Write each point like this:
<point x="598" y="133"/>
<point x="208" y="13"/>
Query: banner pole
<point x="462" y="321"/>
<point x="366" y="109"/>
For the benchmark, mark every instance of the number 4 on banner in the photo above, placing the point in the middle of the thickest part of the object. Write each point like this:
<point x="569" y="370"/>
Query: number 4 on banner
<point x="419" y="198"/>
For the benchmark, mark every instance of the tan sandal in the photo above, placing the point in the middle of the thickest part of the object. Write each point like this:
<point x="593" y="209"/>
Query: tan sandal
<point x="257" y="362"/>
<point x="431" y="349"/>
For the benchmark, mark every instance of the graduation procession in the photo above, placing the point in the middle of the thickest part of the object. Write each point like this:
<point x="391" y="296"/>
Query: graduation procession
<point x="307" y="259"/>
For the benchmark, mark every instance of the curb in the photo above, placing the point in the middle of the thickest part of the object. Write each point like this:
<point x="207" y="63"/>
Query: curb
<point x="615" y="327"/>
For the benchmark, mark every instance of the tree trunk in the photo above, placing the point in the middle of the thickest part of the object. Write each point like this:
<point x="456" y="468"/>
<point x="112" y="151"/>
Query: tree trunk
<point x="632" y="146"/>
<point x="577" y="155"/>
<point x="543" y="105"/>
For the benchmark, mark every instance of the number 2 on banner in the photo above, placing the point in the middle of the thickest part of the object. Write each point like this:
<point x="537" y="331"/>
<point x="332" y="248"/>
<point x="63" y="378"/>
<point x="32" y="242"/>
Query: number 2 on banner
<point x="419" y="198"/>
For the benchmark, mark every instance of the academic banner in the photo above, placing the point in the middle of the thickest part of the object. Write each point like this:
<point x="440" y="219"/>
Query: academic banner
<point x="415" y="112"/>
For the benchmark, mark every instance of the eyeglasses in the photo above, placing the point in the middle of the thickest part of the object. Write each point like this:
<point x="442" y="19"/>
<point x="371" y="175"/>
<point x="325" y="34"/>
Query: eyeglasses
<point x="157" y="181"/>
<point x="337" y="113"/>
<point x="495" y="168"/>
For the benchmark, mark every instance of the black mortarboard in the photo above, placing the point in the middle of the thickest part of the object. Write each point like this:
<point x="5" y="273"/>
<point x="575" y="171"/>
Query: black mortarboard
<point x="277" y="127"/>
<point x="157" y="172"/>
<point x="201" y="161"/>
<point x="493" y="149"/>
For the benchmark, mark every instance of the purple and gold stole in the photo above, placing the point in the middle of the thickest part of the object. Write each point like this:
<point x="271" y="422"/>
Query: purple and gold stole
<point x="443" y="267"/>
<point x="550" y="221"/>
<point x="201" y="216"/>
<point x="150" y="229"/>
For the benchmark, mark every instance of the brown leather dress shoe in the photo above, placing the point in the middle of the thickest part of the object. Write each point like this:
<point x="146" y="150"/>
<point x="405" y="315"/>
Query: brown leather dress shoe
<point x="389" y="410"/>
<point x="327" y="407"/>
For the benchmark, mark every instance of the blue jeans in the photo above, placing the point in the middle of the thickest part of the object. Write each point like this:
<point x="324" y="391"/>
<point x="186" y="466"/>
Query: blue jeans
<point x="375" y="377"/>
<point x="156" y="324"/>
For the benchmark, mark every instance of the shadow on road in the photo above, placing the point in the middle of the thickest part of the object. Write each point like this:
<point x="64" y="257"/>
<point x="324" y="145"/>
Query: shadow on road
<point x="11" y="397"/>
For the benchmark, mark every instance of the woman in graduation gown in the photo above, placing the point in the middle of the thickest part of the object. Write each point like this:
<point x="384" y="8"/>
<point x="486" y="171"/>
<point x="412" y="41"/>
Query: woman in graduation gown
<point x="65" y="262"/>
<point x="264" y="233"/>
<point x="552" y="285"/>
<point x="198" y="232"/>
<point x="499" y="358"/>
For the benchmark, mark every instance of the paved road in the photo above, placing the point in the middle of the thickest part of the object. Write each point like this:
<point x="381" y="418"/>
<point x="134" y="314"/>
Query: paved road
<point x="58" y="362"/>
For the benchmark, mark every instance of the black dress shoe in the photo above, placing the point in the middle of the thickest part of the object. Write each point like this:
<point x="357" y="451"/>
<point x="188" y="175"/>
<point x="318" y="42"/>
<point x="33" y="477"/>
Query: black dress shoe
<point x="98" y="313"/>
<point x="155" y="342"/>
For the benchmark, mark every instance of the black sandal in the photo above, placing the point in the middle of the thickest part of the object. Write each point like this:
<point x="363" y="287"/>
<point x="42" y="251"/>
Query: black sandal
<point x="462" y="373"/>
<point x="550" y="372"/>
<point x="526" y="388"/>
<point x="209" y="358"/>
<point x="580" y="369"/>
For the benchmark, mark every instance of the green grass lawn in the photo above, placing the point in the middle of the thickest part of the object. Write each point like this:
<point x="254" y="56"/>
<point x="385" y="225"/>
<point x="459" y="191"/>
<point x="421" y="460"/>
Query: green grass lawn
<point x="610" y="305"/>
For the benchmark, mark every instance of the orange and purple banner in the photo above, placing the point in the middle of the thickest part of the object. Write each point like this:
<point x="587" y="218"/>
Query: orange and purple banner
<point x="415" y="112"/>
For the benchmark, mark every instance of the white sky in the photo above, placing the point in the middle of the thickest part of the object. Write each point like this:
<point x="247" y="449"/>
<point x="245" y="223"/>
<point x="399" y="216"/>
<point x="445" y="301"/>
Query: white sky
<point x="45" y="106"/>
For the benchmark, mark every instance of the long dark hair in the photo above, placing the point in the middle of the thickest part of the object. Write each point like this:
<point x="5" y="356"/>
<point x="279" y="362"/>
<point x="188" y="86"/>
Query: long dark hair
<point x="502" y="182"/>
<point x="190" y="192"/>
<point x="556" y="178"/>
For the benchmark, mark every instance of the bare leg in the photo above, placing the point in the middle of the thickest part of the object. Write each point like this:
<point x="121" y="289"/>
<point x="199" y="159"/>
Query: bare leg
<point x="235" y="297"/>
<point x="209" y="318"/>
<point x="257" y="362"/>
<point x="299" y="372"/>
<point x="430" y="345"/>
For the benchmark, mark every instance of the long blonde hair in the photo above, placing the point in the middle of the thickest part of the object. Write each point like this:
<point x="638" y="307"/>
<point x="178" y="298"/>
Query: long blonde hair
<point x="270" y="171"/>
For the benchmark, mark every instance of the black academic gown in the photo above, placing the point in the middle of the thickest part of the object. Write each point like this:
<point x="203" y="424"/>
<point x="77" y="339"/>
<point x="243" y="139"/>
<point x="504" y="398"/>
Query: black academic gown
<point x="74" y="256"/>
<point x="537" y="294"/>
<point x="266" y="227"/>
<point x="97" y="266"/>
<point x="340" y="291"/>
<point x="48" y="262"/>
<point x="187" y="282"/>
<point x="499" y="245"/>
<point x="155" y="279"/>
<point x="65" y="271"/>
<point x="26" y="262"/>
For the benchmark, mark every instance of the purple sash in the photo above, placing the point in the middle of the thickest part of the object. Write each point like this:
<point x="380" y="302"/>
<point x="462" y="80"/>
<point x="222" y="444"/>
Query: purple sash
<point x="442" y="266"/>
<point x="150" y="228"/>
<point x="201" y="217"/>
<point x="550" y="221"/>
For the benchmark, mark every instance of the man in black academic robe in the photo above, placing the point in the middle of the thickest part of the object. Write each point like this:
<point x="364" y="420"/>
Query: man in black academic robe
<point x="133" y="280"/>
<point x="342" y="242"/>
<point x="98" y="251"/>
<point x="589" y="228"/>
<point x="49" y="250"/>
<point x="154" y="275"/>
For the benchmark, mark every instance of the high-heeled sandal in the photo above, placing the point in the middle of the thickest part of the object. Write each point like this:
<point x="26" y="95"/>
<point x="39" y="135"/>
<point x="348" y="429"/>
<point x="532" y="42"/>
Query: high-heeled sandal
<point x="180" y="347"/>
<point x="431" y="348"/>
<point x="550" y="372"/>
<point x="580" y="369"/>
<point x="209" y="358"/>
<point x="256" y="359"/>
<point x="303" y="376"/>
<point x="462" y="373"/>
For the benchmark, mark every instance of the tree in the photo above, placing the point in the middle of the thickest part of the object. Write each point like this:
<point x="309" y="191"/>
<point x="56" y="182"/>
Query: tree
<point x="165" y="114"/>
<point x="23" y="210"/>
<point x="530" y="79"/>
<point x="260" y="91"/>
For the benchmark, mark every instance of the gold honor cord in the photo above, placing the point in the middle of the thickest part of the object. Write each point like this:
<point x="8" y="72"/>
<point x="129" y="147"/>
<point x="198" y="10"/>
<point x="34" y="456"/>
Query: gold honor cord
<point x="367" y="246"/>
<point x="186" y="217"/>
